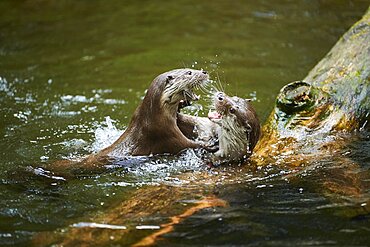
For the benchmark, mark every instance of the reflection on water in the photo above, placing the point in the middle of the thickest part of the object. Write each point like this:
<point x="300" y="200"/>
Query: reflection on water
<point x="72" y="73"/>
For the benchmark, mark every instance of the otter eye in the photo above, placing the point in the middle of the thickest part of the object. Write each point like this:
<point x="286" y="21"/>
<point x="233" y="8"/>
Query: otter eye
<point x="189" y="73"/>
<point x="232" y="110"/>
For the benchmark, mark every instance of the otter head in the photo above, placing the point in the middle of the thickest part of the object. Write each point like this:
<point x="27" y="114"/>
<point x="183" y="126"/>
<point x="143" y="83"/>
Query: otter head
<point x="240" y="127"/>
<point x="177" y="86"/>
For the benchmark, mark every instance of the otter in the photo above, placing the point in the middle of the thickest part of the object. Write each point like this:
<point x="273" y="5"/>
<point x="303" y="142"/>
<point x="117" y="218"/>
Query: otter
<point x="234" y="125"/>
<point x="239" y="129"/>
<point x="153" y="128"/>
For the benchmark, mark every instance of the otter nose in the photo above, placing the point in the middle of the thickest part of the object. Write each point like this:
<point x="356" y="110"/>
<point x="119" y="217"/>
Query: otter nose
<point x="204" y="72"/>
<point x="220" y="96"/>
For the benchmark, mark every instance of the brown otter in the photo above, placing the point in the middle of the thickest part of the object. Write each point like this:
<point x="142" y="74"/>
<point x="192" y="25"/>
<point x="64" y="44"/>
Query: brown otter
<point x="153" y="128"/>
<point x="239" y="127"/>
<point x="234" y="125"/>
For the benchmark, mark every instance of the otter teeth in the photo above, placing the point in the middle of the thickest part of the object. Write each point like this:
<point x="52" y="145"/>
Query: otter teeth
<point x="191" y="95"/>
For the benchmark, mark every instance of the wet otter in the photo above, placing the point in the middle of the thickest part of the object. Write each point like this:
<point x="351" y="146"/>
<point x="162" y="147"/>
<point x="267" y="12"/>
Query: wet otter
<point x="239" y="127"/>
<point x="234" y="125"/>
<point x="153" y="128"/>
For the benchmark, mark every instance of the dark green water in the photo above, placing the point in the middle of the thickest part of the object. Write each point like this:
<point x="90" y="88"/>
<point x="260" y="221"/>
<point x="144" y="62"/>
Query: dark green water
<point x="67" y="65"/>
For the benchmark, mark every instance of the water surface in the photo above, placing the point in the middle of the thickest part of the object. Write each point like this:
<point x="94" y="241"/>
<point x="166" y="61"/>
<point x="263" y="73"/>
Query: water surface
<point x="72" y="73"/>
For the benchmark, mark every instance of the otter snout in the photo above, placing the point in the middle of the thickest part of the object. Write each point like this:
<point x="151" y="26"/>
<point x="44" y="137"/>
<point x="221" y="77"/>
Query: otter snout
<point x="222" y="103"/>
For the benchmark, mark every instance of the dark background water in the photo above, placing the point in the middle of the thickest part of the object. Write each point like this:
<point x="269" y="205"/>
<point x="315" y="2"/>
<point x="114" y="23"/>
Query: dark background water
<point x="66" y="65"/>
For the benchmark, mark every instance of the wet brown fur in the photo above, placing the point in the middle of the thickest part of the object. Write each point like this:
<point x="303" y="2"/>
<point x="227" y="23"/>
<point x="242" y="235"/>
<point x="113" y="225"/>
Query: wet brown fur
<point x="153" y="128"/>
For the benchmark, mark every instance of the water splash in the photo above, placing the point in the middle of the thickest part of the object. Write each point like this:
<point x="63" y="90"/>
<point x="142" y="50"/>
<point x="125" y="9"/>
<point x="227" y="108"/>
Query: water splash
<point x="6" y="87"/>
<point x="106" y="134"/>
<point x="137" y="171"/>
<point x="23" y="115"/>
<point x="161" y="166"/>
<point x="72" y="99"/>
<point x="253" y="96"/>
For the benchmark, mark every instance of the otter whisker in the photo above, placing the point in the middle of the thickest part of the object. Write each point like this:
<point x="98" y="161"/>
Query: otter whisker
<point x="202" y="89"/>
<point x="213" y="89"/>
<point x="183" y="64"/>
<point x="218" y="82"/>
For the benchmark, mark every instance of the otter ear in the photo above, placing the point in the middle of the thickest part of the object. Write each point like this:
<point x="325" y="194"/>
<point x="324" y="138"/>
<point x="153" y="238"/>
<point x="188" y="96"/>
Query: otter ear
<point x="169" y="78"/>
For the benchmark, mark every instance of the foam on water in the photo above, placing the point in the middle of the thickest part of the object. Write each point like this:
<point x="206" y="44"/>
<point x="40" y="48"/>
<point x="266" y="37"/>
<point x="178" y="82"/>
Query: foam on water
<point x="157" y="169"/>
<point x="153" y="167"/>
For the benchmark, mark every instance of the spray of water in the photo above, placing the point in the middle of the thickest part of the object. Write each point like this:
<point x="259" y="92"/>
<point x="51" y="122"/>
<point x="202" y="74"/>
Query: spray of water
<point x="106" y="134"/>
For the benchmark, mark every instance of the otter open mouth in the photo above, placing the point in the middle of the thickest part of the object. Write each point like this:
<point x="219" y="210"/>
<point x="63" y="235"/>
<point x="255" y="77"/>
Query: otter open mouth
<point x="189" y="95"/>
<point x="214" y="116"/>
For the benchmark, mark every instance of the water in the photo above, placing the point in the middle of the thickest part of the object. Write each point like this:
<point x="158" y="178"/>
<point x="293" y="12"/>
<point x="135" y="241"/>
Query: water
<point x="72" y="73"/>
<point x="286" y="209"/>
